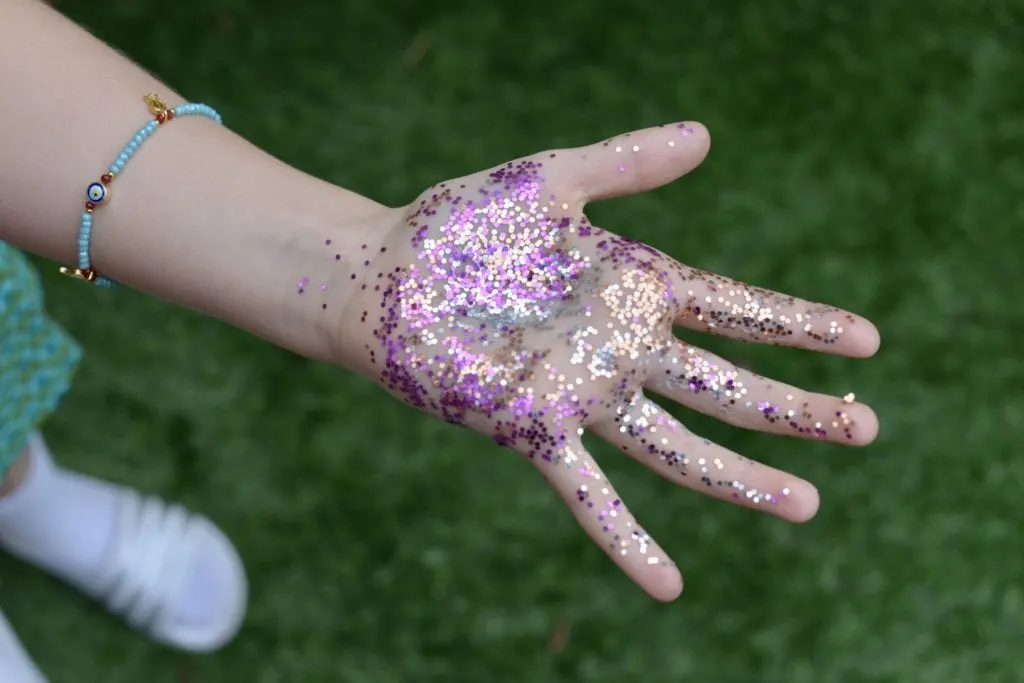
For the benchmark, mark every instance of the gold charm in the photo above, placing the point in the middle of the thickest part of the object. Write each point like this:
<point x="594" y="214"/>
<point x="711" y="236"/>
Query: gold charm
<point x="155" y="104"/>
<point x="88" y="274"/>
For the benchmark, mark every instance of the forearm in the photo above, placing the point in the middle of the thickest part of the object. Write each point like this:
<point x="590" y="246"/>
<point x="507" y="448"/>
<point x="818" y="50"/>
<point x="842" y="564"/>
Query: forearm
<point x="199" y="216"/>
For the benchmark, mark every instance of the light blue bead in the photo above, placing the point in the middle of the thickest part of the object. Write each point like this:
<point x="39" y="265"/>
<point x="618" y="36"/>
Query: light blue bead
<point x="85" y="227"/>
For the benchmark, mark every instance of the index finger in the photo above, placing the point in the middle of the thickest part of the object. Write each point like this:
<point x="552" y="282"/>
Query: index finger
<point x="720" y="305"/>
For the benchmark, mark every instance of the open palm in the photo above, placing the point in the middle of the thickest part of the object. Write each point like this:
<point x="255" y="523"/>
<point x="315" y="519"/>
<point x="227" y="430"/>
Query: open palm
<point x="494" y="304"/>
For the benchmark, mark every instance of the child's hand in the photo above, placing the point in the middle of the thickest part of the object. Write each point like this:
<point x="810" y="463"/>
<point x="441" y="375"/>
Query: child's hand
<point x="496" y="305"/>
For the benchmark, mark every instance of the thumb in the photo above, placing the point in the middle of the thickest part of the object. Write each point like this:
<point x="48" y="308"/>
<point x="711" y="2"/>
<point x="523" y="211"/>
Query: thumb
<point x="636" y="162"/>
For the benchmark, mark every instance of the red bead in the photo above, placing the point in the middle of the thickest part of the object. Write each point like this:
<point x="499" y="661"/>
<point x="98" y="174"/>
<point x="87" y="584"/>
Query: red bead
<point x="170" y="114"/>
<point x="89" y="206"/>
<point x="106" y="178"/>
<point x="161" y="117"/>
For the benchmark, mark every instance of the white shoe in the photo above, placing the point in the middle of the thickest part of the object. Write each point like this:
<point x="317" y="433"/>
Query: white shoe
<point x="146" y="567"/>
<point x="146" y="571"/>
<point x="15" y="664"/>
<point x="168" y="572"/>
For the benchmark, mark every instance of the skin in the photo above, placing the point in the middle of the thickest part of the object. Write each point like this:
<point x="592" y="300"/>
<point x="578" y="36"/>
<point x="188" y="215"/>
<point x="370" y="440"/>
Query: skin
<point x="489" y="301"/>
<point x="493" y="303"/>
<point x="199" y="217"/>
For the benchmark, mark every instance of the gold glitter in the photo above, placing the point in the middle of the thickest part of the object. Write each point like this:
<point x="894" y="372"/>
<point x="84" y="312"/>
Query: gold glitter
<point x="502" y="273"/>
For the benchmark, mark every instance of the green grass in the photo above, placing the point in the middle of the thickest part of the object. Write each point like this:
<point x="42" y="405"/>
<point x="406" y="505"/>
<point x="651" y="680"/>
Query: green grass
<point x="867" y="154"/>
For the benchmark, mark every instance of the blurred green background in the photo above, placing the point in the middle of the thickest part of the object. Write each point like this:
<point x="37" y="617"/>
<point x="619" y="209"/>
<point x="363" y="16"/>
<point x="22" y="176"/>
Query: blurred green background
<point x="866" y="154"/>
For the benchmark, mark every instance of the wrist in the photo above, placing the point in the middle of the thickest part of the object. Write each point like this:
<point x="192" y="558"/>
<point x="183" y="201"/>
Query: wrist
<point x="200" y="217"/>
<point x="235" y="235"/>
<point x="310" y="271"/>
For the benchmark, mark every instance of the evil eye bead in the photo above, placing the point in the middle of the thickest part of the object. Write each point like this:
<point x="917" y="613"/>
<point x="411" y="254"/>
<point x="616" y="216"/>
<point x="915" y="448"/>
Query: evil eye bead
<point x="96" y="193"/>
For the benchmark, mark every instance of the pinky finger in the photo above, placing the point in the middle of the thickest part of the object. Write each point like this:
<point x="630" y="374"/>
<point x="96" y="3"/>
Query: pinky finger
<point x="602" y="514"/>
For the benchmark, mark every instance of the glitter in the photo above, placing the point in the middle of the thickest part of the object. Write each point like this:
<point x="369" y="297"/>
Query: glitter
<point x="702" y="381"/>
<point x="508" y="312"/>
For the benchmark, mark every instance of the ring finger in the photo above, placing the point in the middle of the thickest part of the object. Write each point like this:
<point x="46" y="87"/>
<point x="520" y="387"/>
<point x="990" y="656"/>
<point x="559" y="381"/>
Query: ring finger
<point x="650" y="435"/>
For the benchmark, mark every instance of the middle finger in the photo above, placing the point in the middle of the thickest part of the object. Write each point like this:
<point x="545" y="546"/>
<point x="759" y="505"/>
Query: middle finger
<point x="709" y="384"/>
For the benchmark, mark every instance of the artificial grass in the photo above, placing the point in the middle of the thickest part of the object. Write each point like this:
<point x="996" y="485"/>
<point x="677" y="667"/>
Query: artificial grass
<point x="865" y="154"/>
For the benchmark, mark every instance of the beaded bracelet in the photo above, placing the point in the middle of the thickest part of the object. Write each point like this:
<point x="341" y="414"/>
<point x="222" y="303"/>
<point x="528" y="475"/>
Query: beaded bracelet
<point x="98" y="193"/>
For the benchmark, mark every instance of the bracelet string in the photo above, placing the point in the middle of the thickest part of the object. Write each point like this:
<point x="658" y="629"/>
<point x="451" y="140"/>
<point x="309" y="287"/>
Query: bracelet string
<point x="98" y="193"/>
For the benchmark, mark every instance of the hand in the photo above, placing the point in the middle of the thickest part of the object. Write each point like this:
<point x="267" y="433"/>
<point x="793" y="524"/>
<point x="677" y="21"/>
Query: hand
<point x="493" y="303"/>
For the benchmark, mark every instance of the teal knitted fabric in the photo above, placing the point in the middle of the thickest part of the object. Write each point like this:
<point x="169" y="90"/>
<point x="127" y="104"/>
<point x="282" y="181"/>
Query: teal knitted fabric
<point x="37" y="357"/>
